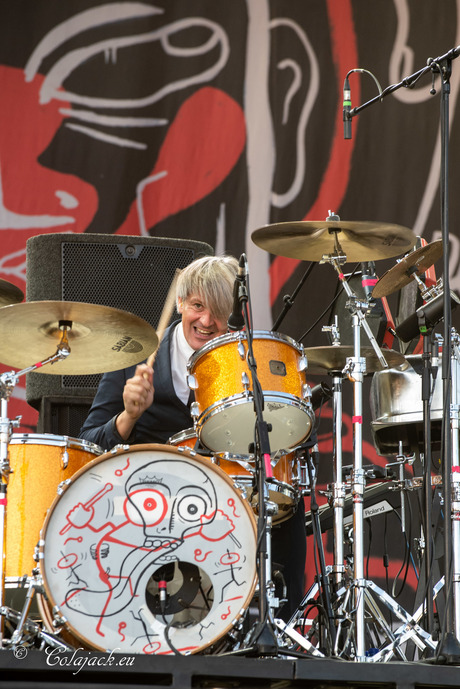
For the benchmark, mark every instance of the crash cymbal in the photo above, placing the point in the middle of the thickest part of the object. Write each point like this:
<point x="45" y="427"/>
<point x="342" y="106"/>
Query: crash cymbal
<point x="310" y="241"/>
<point x="9" y="294"/>
<point x="101" y="338"/>
<point x="334" y="358"/>
<point x="402" y="273"/>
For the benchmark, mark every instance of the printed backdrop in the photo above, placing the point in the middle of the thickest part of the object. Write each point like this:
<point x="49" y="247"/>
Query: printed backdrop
<point x="206" y="120"/>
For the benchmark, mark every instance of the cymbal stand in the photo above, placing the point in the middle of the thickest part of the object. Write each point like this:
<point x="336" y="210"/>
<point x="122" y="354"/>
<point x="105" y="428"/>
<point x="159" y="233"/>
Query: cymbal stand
<point x="355" y="370"/>
<point x="7" y="382"/>
<point x="338" y="486"/>
<point x="455" y="506"/>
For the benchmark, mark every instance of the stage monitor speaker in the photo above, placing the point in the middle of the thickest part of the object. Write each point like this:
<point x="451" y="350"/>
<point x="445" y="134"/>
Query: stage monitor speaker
<point x="63" y="415"/>
<point x="126" y="272"/>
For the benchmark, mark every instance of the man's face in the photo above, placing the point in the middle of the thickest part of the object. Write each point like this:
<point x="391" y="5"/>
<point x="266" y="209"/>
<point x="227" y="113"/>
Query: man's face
<point x="199" y="324"/>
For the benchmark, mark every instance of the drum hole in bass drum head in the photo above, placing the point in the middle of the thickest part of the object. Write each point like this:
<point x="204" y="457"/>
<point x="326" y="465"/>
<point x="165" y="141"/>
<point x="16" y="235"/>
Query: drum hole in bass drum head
<point x="149" y="550"/>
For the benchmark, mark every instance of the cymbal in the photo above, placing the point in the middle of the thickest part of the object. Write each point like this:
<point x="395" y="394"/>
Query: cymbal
<point x="101" y="338"/>
<point x="310" y="241"/>
<point x="401" y="274"/>
<point x="9" y="294"/>
<point x="334" y="358"/>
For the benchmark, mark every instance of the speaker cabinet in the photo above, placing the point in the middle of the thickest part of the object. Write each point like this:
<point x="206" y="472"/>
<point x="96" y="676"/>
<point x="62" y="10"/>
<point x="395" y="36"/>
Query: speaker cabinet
<point x="126" y="272"/>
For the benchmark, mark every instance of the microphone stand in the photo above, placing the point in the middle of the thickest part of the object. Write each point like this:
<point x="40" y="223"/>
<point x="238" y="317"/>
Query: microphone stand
<point x="262" y="638"/>
<point x="289" y="299"/>
<point x="449" y="647"/>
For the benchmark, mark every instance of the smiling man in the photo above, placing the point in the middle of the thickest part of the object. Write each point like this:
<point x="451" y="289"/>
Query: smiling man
<point x="144" y="405"/>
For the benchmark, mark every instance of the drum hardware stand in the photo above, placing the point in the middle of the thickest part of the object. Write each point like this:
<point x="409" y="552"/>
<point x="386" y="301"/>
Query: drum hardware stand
<point x="337" y="499"/>
<point x="455" y="477"/>
<point x="355" y="370"/>
<point x="7" y="382"/>
<point x="449" y="646"/>
<point x="262" y="638"/>
<point x="289" y="299"/>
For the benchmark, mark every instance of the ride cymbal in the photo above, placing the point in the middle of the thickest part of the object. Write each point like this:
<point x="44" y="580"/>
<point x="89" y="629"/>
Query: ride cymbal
<point x="402" y="273"/>
<point x="101" y="338"/>
<point x="310" y="241"/>
<point x="334" y="358"/>
<point x="9" y="294"/>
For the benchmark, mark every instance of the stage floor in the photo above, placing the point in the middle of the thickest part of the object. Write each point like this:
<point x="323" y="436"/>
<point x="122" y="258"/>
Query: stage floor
<point x="40" y="670"/>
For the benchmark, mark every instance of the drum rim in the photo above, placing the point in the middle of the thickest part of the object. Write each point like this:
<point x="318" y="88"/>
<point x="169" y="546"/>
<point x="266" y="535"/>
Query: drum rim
<point x="270" y="396"/>
<point x="242" y="335"/>
<point x="123" y="449"/>
<point x="54" y="441"/>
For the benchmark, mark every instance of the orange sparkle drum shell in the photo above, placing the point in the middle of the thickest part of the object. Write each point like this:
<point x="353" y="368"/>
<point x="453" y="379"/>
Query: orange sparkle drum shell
<point x="283" y="491"/>
<point x="224" y="408"/>
<point x="39" y="464"/>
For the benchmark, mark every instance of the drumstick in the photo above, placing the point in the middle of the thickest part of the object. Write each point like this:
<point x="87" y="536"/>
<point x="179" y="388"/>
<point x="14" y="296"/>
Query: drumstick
<point x="165" y="317"/>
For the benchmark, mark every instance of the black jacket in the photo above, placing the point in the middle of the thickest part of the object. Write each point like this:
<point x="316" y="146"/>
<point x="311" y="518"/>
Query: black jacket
<point x="164" y="418"/>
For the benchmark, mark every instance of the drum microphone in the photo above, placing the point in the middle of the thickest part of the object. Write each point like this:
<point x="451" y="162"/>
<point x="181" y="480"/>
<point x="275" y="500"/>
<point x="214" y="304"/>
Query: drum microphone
<point x="430" y="314"/>
<point x="368" y="278"/>
<point x="320" y="394"/>
<point x="236" y="318"/>
<point x="346" y="109"/>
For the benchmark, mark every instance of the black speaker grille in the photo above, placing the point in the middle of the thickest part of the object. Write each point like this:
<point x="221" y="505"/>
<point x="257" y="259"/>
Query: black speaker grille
<point x="126" y="272"/>
<point x="104" y="274"/>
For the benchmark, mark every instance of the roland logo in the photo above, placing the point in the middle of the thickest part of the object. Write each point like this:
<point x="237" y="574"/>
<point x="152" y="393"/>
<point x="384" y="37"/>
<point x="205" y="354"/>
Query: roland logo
<point x="127" y="344"/>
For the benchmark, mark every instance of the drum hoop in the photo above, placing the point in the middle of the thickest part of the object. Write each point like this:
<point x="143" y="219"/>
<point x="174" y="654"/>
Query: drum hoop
<point x="246" y="396"/>
<point x="241" y="335"/>
<point x="54" y="441"/>
<point x="274" y="486"/>
<point x="170" y="449"/>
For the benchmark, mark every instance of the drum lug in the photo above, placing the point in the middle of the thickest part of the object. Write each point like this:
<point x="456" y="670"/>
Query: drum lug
<point x="306" y="391"/>
<point x="241" y="350"/>
<point x="245" y="380"/>
<point x="303" y="363"/>
<point x="65" y="458"/>
<point x="195" y="410"/>
<point x="61" y="487"/>
<point x="192" y="382"/>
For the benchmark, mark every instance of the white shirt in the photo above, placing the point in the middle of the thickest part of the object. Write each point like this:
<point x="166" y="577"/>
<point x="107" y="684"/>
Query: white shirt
<point x="180" y="354"/>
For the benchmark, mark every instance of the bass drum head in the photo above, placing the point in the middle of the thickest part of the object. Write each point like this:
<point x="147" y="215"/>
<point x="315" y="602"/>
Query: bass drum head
<point x="149" y="550"/>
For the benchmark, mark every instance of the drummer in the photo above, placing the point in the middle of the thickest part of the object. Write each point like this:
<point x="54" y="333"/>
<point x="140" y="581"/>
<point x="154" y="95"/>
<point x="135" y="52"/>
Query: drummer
<point x="143" y="405"/>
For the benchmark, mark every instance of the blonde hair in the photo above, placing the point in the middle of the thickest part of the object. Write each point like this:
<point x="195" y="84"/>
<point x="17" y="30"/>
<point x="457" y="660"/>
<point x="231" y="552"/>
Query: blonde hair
<point x="212" y="279"/>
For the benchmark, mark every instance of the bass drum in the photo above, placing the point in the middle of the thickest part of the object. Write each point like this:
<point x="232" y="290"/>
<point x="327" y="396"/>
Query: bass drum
<point x="149" y="550"/>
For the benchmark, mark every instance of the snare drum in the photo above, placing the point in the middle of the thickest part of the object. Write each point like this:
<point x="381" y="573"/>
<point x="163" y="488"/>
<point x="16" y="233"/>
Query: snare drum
<point x="39" y="464"/>
<point x="283" y="490"/>
<point x="224" y="407"/>
<point x="149" y="550"/>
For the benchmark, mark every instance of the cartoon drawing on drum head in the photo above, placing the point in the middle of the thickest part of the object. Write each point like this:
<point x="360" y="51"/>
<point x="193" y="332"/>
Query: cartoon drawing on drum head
<point x="149" y="551"/>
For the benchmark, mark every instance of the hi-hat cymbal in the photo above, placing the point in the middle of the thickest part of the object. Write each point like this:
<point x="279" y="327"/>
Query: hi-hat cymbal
<point x="402" y="273"/>
<point x="310" y="241"/>
<point x="9" y="294"/>
<point x="334" y="358"/>
<point x="101" y="338"/>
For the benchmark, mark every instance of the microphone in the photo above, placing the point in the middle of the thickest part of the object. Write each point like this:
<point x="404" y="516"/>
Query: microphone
<point x="320" y="394"/>
<point x="368" y="278"/>
<point x="236" y="318"/>
<point x="346" y="109"/>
